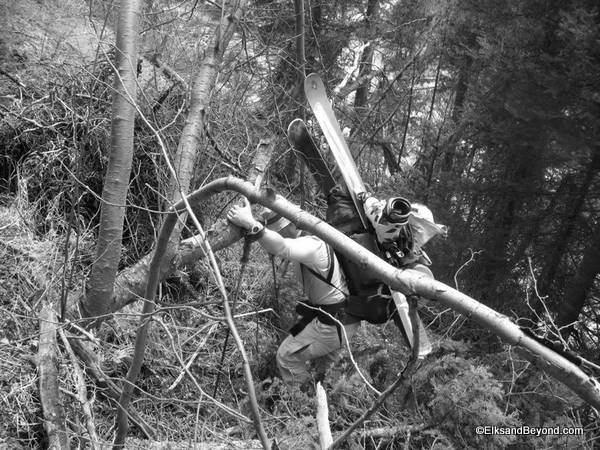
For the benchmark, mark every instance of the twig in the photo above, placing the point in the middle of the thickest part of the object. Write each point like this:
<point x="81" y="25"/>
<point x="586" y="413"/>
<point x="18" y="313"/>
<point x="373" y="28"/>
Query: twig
<point x="191" y="360"/>
<point x="236" y="293"/>
<point x="167" y="70"/>
<point x="86" y="405"/>
<point x="13" y="79"/>
<point x="541" y="300"/>
<point x="110" y="390"/>
<point x="470" y="260"/>
<point x="191" y="376"/>
<point x="402" y="380"/>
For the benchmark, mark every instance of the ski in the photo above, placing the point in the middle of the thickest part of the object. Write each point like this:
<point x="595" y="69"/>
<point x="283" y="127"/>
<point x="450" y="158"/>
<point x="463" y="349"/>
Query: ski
<point x="302" y="142"/>
<point x="317" y="98"/>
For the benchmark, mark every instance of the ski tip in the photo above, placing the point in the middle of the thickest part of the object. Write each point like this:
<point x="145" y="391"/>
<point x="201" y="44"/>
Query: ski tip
<point x="294" y="123"/>
<point x="295" y="126"/>
<point x="297" y="132"/>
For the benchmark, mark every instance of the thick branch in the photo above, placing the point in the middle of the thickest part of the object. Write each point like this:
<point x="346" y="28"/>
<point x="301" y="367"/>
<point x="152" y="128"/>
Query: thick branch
<point x="407" y="281"/>
<point x="54" y="416"/>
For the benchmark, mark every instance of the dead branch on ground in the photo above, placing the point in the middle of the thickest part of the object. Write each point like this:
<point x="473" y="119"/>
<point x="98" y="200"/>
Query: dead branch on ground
<point x="53" y="412"/>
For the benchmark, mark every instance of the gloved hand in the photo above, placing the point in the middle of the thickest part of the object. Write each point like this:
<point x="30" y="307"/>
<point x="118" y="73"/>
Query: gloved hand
<point x="241" y="215"/>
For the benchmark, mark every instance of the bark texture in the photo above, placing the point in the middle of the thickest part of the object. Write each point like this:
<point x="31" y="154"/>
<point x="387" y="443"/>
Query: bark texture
<point x="116" y="181"/>
<point x="54" y="417"/>
<point x="202" y="88"/>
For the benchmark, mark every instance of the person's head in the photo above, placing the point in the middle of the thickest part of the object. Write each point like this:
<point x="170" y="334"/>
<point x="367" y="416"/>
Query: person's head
<point x="403" y="224"/>
<point x="390" y="219"/>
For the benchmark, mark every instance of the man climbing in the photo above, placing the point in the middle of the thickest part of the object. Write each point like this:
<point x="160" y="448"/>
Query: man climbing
<point x="317" y="269"/>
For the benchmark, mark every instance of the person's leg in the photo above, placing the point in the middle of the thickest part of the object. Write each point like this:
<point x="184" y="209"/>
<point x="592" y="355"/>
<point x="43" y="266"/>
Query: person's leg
<point x="323" y="363"/>
<point x="315" y="340"/>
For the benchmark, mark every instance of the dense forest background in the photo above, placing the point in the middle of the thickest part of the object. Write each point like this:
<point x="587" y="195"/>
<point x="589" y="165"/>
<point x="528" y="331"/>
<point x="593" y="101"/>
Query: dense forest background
<point x="486" y="111"/>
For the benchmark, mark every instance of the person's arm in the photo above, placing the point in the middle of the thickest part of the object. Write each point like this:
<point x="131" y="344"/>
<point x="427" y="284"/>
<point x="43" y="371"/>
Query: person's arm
<point x="301" y="249"/>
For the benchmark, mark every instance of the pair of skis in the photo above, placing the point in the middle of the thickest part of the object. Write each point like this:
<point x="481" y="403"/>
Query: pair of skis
<point x="300" y="139"/>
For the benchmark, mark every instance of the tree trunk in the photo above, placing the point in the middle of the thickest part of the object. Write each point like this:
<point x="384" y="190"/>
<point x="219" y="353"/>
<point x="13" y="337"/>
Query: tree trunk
<point x="129" y="285"/>
<point x="389" y="158"/>
<point x="366" y="59"/>
<point x="116" y="181"/>
<point x="579" y="286"/>
<point x="408" y="113"/>
<point x="535" y="225"/>
<point x="300" y="47"/>
<point x="435" y="87"/>
<point x="202" y="88"/>
<point x="565" y="231"/>
<point x="462" y="85"/>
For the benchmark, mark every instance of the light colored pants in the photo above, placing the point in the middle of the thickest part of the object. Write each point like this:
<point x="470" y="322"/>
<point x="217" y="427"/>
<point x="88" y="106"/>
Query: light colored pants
<point x="316" y="340"/>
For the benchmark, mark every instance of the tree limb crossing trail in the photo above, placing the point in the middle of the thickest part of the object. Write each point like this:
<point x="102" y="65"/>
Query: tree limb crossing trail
<point x="407" y="281"/>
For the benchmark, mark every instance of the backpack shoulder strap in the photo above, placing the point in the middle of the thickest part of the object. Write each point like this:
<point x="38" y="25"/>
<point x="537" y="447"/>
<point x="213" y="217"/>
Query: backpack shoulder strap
<point x="330" y="272"/>
<point x="331" y="259"/>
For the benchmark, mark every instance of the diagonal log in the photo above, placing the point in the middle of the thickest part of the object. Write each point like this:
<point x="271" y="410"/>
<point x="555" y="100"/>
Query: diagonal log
<point x="47" y="365"/>
<point x="407" y="281"/>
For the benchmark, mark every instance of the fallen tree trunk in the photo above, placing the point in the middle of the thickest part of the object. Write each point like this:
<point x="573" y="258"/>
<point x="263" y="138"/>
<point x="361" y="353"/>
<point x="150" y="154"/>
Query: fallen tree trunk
<point x="53" y="413"/>
<point x="407" y="281"/>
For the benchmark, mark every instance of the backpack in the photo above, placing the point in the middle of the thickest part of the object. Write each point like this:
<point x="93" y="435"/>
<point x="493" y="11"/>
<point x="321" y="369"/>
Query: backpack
<point x="369" y="299"/>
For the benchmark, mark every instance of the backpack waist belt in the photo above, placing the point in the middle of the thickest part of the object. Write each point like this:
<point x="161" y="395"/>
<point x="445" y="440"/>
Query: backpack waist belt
<point x="323" y="313"/>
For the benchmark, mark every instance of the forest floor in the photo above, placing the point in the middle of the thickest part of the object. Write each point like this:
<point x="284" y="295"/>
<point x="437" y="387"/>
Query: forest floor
<point x="29" y="262"/>
<point x="450" y="394"/>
